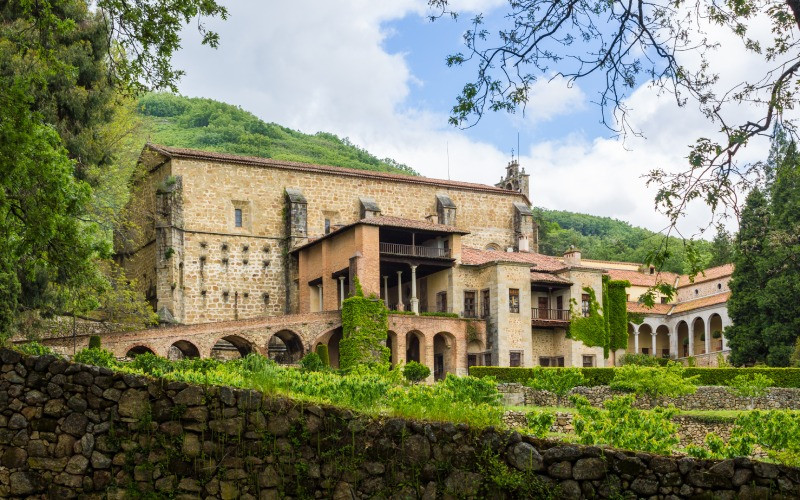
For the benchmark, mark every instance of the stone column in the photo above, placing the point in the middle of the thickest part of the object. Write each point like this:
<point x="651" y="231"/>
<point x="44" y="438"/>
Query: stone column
<point x="414" y="299"/>
<point x="341" y="291"/>
<point x="321" y="305"/>
<point x="708" y="336"/>
<point x="654" y="335"/>
<point x="691" y="340"/>
<point x="636" y="342"/>
<point x="400" y="306"/>
<point x="386" y="291"/>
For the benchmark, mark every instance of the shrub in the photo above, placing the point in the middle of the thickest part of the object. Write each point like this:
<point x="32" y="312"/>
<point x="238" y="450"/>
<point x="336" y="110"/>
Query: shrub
<point x="33" y="349"/>
<point x="96" y="357"/>
<point x="750" y="386"/>
<point x="311" y="362"/>
<point x="592" y="376"/>
<point x="643" y="360"/>
<point x="622" y="426"/>
<point x="94" y="342"/>
<point x="150" y="364"/>
<point x="322" y="352"/>
<point x="416" y="372"/>
<point x="559" y="382"/>
<point x="654" y="382"/>
<point x="539" y="422"/>
<point x="471" y="389"/>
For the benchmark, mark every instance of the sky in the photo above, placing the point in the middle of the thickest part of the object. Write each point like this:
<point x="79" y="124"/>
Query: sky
<point x="374" y="71"/>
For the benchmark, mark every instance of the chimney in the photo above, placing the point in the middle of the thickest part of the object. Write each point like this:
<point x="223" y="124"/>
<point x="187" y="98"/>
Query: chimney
<point x="523" y="243"/>
<point x="572" y="257"/>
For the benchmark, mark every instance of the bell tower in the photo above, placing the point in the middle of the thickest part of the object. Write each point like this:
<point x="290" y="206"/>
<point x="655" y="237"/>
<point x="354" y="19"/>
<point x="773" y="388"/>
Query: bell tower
<point x="515" y="179"/>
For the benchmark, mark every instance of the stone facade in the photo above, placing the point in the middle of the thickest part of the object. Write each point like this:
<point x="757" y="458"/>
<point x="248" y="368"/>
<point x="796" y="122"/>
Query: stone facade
<point x="69" y="431"/>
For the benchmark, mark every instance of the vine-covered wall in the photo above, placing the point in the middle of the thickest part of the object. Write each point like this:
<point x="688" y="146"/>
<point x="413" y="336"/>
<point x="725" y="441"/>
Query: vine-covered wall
<point x="606" y="325"/>
<point x="364" y="330"/>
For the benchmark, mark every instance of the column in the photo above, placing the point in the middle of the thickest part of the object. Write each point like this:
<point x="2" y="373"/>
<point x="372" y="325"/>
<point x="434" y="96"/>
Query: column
<point x="724" y="341"/>
<point x="341" y="291"/>
<point x="654" y="334"/>
<point x="691" y="340"/>
<point x="321" y="305"/>
<point x="636" y="342"/>
<point x="708" y="336"/>
<point x="386" y="291"/>
<point x="414" y="300"/>
<point x="400" y="306"/>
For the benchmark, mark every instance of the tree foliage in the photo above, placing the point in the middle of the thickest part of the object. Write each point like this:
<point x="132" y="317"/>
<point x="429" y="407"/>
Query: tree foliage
<point x="667" y="44"/>
<point x="654" y="383"/>
<point x="766" y="281"/>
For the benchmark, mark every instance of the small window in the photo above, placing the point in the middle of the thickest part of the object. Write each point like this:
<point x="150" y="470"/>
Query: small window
<point x="513" y="300"/>
<point x="551" y="361"/>
<point x="719" y="286"/>
<point x="585" y="303"/>
<point x="487" y="359"/>
<point x="237" y="217"/>
<point x="327" y="226"/>
<point x="627" y="297"/>
<point x="652" y="270"/>
<point x="588" y="361"/>
<point x="472" y="360"/>
<point x="645" y="350"/>
<point x="663" y="300"/>
<point x="441" y="302"/>
<point x="469" y="304"/>
<point x="485" y="306"/>
<point x="515" y="359"/>
<point x="696" y="291"/>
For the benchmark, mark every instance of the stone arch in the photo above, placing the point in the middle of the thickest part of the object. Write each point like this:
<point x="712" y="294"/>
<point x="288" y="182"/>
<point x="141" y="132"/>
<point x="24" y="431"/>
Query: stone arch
<point x="331" y="339"/>
<point x="139" y="349"/>
<point x="183" y="349"/>
<point x="715" y="325"/>
<point x="444" y="355"/>
<point x="645" y="339"/>
<point x="662" y="341"/>
<point x="285" y="347"/>
<point x="682" y="330"/>
<point x="698" y="335"/>
<point x="231" y="347"/>
<point x="415" y="346"/>
<point x="391" y="343"/>
<point x="493" y="246"/>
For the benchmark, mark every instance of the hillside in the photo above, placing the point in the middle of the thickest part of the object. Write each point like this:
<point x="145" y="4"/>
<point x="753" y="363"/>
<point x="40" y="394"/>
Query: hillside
<point x="604" y="238"/>
<point x="215" y="126"/>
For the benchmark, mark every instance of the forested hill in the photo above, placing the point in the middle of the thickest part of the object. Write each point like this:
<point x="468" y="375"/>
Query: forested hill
<point x="605" y="238"/>
<point x="215" y="126"/>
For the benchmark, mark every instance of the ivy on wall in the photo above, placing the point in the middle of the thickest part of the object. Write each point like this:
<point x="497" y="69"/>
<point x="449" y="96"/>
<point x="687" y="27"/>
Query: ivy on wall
<point x="606" y="326"/>
<point x="364" y="330"/>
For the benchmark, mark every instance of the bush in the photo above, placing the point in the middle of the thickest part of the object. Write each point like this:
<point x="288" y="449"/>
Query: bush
<point x="591" y="376"/>
<point x="539" y="422"/>
<point x="416" y="372"/>
<point x="322" y="352"/>
<point x="33" y="349"/>
<point x="622" y="426"/>
<point x="96" y="357"/>
<point x="311" y="362"/>
<point x="94" y="342"/>
<point x="643" y="360"/>
<point x="471" y="389"/>
<point x="559" y="382"/>
<point x="654" y="382"/>
<point x="750" y="386"/>
<point x="150" y="364"/>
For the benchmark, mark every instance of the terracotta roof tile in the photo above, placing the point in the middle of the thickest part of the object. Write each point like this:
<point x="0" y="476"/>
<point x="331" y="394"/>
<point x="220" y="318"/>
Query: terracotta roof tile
<point x="476" y="257"/>
<point x="710" y="300"/>
<point x="641" y="279"/>
<point x="537" y="277"/>
<point x="636" y="307"/>
<point x="173" y="152"/>
<point x="710" y="274"/>
<point x="422" y="225"/>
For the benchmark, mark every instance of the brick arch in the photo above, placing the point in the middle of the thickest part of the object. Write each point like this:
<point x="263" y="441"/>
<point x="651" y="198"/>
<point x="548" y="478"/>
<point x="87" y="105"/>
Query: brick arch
<point x="233" y="346"/>
<point x="331" y="338"/>
<point x="416" y="346"/>
<point x="445" y="345"/>
<point x="187" y="349"/>
<point x="286" y="346"/>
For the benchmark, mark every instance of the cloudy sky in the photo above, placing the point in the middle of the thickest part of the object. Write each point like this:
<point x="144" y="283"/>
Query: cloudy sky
<point x="374" y="71"/>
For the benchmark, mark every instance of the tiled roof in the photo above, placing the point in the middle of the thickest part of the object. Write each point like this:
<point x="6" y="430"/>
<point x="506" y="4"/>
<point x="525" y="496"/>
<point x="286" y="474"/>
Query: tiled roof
<point x="172" y="152"/>
<point x="710" y="274"/>
<point x="600" y="261"/>
<point x="637" y="307"/>
<point x="537" y="277"/>
<point x="710" y="300"/>
<point x="642" y="279"/>
<point x="422" y="225"/>
<point x="475" y="257"/>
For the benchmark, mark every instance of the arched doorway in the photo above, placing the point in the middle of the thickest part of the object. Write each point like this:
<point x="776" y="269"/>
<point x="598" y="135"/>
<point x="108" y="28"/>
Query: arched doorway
<point x="285" y="347"/>
<point x="444" y="355"/>
<point x="415" y="347"/>
<point x="682" y="330"/>
<point x="391" y="343"/>
<point x="137" y="350"/>
<point x="331" y="339"/>
<point x="662" y="341"/>
<point x="715" y="324"/>
<point x="183" y="349"/>
<point x="699" y="335"/>
<point x="231" y="347"/>
<point x="646" y="339"/>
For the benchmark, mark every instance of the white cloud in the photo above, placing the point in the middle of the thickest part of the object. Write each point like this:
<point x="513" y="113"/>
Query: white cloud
<point x="551" y="97"/>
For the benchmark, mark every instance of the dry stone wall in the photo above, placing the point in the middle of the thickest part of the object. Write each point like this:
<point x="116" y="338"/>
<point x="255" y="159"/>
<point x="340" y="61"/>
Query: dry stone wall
<point x="69" y="430"/>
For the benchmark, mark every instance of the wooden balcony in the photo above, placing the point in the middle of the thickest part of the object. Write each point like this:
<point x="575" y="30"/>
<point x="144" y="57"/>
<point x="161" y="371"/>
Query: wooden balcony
<point x="414" y="251"/>
<point x="550" y="317"/>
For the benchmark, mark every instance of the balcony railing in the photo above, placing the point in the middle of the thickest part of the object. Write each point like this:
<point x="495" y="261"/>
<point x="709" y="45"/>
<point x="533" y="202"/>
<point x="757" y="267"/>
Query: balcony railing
<point x="550" y="314"/>
<point x="414" y="251"/>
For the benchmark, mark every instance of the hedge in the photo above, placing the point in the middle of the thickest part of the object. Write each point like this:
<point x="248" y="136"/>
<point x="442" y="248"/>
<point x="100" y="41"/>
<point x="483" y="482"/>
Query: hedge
<point x="782" y="377"/>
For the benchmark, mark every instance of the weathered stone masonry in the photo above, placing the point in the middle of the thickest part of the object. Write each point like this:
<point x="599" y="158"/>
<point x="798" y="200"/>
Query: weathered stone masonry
<point x="69" y="430"/>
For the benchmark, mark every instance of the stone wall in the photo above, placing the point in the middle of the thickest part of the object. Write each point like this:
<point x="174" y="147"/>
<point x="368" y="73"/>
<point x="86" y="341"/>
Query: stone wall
<point x="69" y="430"/>
<point x="706" y="398"/>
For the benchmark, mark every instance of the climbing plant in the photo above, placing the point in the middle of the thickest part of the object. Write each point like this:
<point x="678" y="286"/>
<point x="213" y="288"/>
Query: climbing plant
<point x="364" y="330"/>
<point x="589" y="329"/>
<point x="605" y="326"/>
<point x="616" y="310"/>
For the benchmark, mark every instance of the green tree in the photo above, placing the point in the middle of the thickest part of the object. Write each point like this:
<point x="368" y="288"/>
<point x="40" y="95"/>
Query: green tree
<point x="721" y="248"/>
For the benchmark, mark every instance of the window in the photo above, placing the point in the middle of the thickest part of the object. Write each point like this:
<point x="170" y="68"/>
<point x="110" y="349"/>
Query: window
<point x="472" y="360"/>
<point x="513" y="300"/>
<point x="627" y="297"/>
<point x="652" y="270"/>
<point x="551" y="361"/>
<point x="237" y="217"/>
<point x="719" y="286"/>
<point x="327" y="226"/>
<point x="696" y="291"/>
<point x="485" y="303"/>
<point x="663" y="300"/>
<point x="469" y="304"/>
<point x="487" y="359"/>
<point x="588" y="361"/>
<point x="441" y="302"/>
<point x="515" y="359"/>
<point x="645" y="350"/>
<point x="585" y="301"/>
